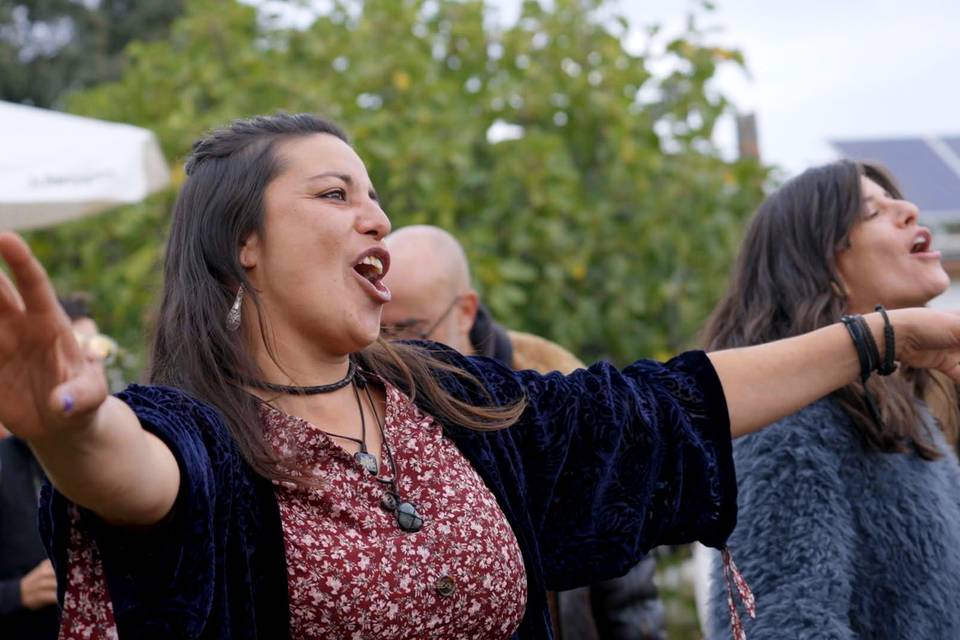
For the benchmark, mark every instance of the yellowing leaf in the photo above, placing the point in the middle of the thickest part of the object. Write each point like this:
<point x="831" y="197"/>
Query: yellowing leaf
<point x="401" y="80"/>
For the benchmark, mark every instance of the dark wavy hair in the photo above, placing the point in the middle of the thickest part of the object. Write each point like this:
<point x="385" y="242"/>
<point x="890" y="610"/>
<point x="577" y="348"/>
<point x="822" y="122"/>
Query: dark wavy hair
<point x="220" y="204"/>
<point x="786" y="282"/>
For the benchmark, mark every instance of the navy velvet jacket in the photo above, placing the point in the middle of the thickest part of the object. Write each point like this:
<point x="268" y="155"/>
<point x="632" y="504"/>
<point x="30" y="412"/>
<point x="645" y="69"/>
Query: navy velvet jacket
<point x="602" y="466"/>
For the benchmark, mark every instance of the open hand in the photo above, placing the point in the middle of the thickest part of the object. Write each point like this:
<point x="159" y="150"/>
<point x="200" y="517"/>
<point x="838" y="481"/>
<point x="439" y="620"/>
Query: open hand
<point x="49" y="385"/>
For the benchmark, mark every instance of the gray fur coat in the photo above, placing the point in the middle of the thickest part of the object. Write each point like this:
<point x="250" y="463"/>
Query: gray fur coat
<point x="838" y="542"/>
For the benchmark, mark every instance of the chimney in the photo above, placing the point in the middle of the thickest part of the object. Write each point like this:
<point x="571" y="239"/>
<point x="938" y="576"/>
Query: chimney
<point x="748" y="146"/>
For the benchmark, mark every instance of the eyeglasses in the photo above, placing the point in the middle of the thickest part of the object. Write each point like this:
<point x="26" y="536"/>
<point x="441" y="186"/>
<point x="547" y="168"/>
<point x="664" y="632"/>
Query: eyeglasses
<point x="98" y="345"/>
<point x="410" y="329"/>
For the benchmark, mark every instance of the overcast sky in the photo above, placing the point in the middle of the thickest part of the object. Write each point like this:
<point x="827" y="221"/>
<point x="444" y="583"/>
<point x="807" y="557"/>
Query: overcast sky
<point x="822" y="70"/>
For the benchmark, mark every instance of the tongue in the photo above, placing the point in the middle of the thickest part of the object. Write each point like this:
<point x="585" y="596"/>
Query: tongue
<point x="367" y="272"/>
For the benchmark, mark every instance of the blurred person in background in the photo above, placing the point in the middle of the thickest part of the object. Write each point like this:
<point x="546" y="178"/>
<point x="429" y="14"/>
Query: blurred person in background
<point x="433" y="300"/>
<point x="849" y="522"/>
<point x="85" y="329"/>
<point x="28" y="586"/>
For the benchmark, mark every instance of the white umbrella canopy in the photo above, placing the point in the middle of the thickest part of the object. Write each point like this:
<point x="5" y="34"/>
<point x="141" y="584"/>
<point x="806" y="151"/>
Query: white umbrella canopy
<point x="56" y="166"/>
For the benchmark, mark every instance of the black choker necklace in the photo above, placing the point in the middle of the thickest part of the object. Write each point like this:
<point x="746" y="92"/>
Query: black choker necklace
<point x="308" y="391"/>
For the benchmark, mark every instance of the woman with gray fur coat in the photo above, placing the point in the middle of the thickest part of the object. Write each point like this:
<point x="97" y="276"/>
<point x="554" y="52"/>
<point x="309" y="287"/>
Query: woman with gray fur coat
<point x="849" y="523"/>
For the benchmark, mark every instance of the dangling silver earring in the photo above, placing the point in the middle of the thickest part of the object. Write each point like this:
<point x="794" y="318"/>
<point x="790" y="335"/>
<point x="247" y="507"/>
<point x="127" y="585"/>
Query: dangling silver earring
<point x="233" y="316"/>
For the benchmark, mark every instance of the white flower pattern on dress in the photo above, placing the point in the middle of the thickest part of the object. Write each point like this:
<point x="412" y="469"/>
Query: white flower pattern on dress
<point x="354" y="574"/>
<point x="87" y="611"/>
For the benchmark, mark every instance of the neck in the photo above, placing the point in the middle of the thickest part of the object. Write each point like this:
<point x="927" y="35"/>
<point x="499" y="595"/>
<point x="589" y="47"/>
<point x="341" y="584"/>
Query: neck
<point x="301" y="369"/>
<point x="296" y="361"/>
<point x="858" y="309"/>
<point x="334" y="411"/>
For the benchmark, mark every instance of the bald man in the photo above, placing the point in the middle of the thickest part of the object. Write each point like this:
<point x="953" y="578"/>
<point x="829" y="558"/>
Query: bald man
<point x="433" y="300"/>
<point x="430" y="282"/>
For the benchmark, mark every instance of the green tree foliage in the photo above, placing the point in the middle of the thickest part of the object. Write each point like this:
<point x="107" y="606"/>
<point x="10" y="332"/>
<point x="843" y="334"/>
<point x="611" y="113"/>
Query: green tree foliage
<point x="607" y="225"/>
<point x="49" y="48"/>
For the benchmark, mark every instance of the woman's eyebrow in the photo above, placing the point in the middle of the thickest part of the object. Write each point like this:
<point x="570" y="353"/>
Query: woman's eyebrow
<point x="872" y="198"/>
<point x="332" y="174"/>
<point x="345" y="178"/>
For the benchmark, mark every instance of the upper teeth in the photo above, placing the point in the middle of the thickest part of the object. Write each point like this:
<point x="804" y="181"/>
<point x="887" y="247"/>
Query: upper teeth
<point x="374" y="262"/>
<point x="919" y="241"/>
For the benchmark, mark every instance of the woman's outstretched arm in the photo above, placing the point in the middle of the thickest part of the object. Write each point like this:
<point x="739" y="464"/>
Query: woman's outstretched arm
<point x="767" y="382"/>
<point x="91" y="445"/>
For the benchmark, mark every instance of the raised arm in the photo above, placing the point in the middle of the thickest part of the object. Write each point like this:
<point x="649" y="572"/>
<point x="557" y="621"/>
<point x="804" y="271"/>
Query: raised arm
<point x="767" y="382"/>
<point x="55" y="397"/>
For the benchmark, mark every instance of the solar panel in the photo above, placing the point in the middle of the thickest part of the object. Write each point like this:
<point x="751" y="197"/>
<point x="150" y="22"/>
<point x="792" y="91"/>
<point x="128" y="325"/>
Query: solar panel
<point x="954" y="145"/>
<point x="925" y="177"/>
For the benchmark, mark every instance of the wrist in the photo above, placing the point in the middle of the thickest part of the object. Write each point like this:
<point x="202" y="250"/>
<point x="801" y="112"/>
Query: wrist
<point x="882" y="340"/>
<point x="78" y="435"/>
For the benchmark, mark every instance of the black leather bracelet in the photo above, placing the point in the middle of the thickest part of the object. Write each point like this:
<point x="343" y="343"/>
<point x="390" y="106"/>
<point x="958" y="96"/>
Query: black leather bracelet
<point x="859" y="343"/>
<point x="869" y="356"/>
<point x="888" y="365"/>
<point x="875" y="362"/>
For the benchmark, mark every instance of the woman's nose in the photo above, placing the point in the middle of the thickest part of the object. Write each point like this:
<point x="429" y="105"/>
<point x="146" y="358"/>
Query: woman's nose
<point x="374" y="220"/>
<point x="907" y="212"/>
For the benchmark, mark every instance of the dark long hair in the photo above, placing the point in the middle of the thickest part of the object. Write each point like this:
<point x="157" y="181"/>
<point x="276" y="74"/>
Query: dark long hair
<point x="786" y="282"/>
<point x="220" y="204"/>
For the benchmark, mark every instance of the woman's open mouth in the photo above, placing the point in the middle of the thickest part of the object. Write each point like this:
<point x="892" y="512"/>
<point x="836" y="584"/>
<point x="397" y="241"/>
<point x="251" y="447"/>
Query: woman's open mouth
<point x="370" y="269"/>
<point x="922" y="245"/>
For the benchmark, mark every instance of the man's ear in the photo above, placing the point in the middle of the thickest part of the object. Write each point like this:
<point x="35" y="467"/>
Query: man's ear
<point x="467" y="310"/>
<point x="250" y="251"/>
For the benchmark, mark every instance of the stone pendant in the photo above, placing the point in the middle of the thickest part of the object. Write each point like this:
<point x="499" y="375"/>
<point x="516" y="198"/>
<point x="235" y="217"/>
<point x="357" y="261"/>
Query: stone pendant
<point x="408" y="519"/>
<point x="367" y="461"/>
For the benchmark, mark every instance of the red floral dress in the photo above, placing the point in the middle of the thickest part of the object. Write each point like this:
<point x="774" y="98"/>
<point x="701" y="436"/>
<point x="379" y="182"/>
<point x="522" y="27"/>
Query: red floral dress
<point x="352" y="572"/>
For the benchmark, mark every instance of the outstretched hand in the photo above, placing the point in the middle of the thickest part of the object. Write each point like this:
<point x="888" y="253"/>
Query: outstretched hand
<point x="49" y="385"/>
<point x="925" y="339"/>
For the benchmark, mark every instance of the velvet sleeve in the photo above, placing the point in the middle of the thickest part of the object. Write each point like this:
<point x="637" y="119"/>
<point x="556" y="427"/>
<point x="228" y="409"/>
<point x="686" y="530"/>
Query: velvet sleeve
<point x="797" y="538"/>
<point x="161" y="579"/>
<point x="614" y="462"/>
<point x="10" y="596"/>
